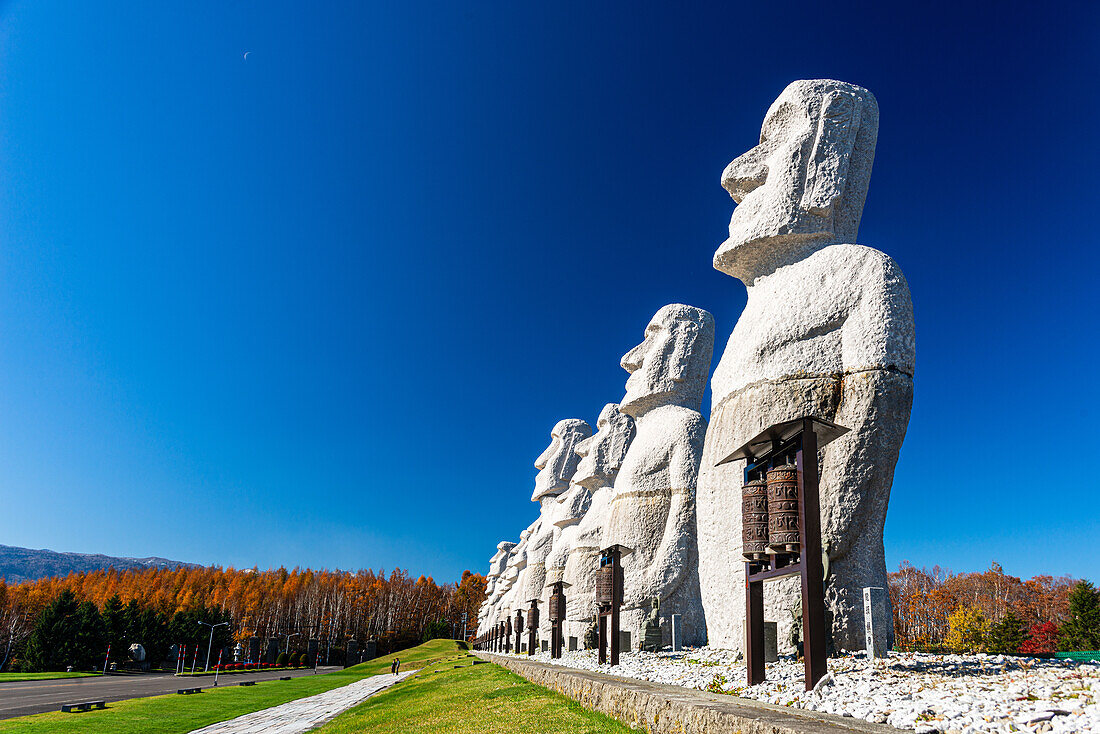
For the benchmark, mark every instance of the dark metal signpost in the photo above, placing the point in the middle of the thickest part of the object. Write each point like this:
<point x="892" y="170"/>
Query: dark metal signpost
<point x="518" y="627"/>
<point x="557" y="617"/>
<point x="532" y="626"/>
<point x="609" y="597"/>
<point x="784" y="458"/>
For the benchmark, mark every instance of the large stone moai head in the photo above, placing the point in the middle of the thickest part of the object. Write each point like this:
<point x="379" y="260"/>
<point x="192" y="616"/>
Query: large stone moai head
<point x="497" y="568"/>
<point x="827" y="331"/>
<point x="602" y="454"/>
<point x="493" y="588"/>
<point x="556" y="466"/>
<point x="584" y="506"/>
<point x="805" y="183"/>
<point x="671" y="365"/>
<point x="558" y="462"/>
<point x="653" y="507"/>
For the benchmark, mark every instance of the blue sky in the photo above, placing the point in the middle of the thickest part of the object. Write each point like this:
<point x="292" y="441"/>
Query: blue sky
<point x="321" y="306"/>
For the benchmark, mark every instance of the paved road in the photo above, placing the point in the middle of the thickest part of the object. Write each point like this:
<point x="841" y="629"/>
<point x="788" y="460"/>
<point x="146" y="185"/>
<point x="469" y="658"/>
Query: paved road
<point x="21" y="698"/>
<point x="296" y="717"/>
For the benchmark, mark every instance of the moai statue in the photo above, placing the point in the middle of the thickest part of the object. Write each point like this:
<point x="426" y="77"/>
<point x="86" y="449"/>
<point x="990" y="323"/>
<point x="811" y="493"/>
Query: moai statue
<point x="571" y="508"/>
<point x="601" y="456"/>
<point x="497" y="565"/>
<point x="515" y="574"/>
<point x="556" y="466"/>
<point x="653" y="507"/>
<point x="827" y="331"/>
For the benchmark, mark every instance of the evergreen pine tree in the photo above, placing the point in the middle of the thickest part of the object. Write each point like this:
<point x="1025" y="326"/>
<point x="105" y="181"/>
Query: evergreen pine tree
<point x="115" y="625"/>
<point x="53" y="644"/>
<point x="1082" y="630"/>
<point x="1006" y="636"/>
<point x="91" y="638"/>
<point x="151" y="630"/>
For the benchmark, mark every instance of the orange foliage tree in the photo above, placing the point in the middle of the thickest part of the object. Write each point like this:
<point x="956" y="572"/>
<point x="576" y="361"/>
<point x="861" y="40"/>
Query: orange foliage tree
<point x="923" y="601"/>
<point x="333" y="606"/>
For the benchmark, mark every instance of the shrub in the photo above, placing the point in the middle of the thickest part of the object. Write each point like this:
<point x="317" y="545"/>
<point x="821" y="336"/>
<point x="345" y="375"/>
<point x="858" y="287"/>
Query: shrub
<point x="969" y="628"/>
<point x="304" y="660"/>
<point x="1006" y="636"/>
<point x="1042" y="639"/>
<point x="281" y="661"/>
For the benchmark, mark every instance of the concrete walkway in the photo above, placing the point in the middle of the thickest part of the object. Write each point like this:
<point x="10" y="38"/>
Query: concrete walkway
<point x="305" y="713"/>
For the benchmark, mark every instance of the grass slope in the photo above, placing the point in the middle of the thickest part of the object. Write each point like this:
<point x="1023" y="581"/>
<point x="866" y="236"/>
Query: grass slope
<point x="486" y="699"/>
<point x="8" y="677"/>
<point x="174" y="714"/>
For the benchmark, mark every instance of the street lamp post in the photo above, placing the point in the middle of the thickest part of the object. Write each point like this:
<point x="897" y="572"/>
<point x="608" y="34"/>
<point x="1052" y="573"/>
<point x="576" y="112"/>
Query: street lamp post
<point x="211" y="642"/>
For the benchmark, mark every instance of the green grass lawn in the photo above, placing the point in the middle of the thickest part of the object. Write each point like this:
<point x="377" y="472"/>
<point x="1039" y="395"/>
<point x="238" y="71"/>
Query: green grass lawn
<point x="199" y="671"/>
<point x="5" y="677"/>
<point x="175" y="714"/>
<point x="484" y="699"/>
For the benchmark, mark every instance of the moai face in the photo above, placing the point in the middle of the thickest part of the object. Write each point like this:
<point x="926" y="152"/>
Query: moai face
<point x="671" y="365"/>
<point x="559" y="461"/>
<point x="602" y="454"/>
<point x="804" y="185"/>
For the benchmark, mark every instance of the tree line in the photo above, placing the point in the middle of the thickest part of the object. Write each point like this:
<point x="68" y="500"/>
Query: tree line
<point x="55" y="622"/>
<point x="938" y="611"/>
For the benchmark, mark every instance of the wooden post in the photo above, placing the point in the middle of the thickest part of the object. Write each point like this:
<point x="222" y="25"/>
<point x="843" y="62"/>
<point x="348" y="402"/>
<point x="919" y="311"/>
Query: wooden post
<point x="809" y="526"/>
<point x="754" y="629"/>
<point x="616" y="602"/>
<point x="557" y="619"/>
<point x="603" y="639"/>
<point x="519" y="629"/>
<point x="532" y="626"/>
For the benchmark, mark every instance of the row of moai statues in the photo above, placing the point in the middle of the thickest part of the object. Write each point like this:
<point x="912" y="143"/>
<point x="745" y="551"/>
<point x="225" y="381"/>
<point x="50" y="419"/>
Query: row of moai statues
<point x="827" y="331"/>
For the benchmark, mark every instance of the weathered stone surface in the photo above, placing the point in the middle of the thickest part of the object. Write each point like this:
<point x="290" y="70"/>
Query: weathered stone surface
<point x="556" y="466"/>
<point x="827" y="331"/>
<point x="493" y="589"/>
<point x="653" y="508"/>
<point x="600" y="458"/>
<point x="661" y="709"/>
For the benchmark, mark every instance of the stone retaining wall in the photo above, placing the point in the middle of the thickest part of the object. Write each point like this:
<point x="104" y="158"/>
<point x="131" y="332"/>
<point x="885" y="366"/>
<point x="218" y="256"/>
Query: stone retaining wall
<point x="662" y="709"/>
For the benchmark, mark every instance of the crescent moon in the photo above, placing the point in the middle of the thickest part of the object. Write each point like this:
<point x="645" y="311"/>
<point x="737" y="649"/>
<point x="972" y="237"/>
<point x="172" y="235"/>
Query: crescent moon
<point x="246" y="53"/>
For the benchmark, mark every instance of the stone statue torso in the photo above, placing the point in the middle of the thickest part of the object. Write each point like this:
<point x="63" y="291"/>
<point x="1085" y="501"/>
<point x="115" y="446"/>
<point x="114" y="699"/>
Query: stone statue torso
<point x="838" y="310"/>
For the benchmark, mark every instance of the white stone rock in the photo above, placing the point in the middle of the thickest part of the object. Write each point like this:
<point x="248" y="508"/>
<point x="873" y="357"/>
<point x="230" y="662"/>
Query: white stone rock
<point x="827" y="331"/>
<point x="653" y="507"/>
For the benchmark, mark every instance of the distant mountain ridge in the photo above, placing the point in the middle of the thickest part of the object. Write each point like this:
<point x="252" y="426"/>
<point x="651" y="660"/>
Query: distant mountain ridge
<point x="27" y="564"/>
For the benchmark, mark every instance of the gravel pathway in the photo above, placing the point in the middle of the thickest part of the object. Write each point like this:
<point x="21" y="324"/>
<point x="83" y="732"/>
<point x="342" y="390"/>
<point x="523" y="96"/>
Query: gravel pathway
<point x="305" y="713"/>
<point x="961" y="694"/>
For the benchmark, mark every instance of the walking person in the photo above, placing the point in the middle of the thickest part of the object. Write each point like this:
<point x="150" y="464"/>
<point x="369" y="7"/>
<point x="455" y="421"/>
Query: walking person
<point x="396" y="667"/>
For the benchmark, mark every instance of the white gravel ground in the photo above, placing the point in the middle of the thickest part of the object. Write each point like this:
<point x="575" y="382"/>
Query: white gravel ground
<point x="928" y="693"/>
